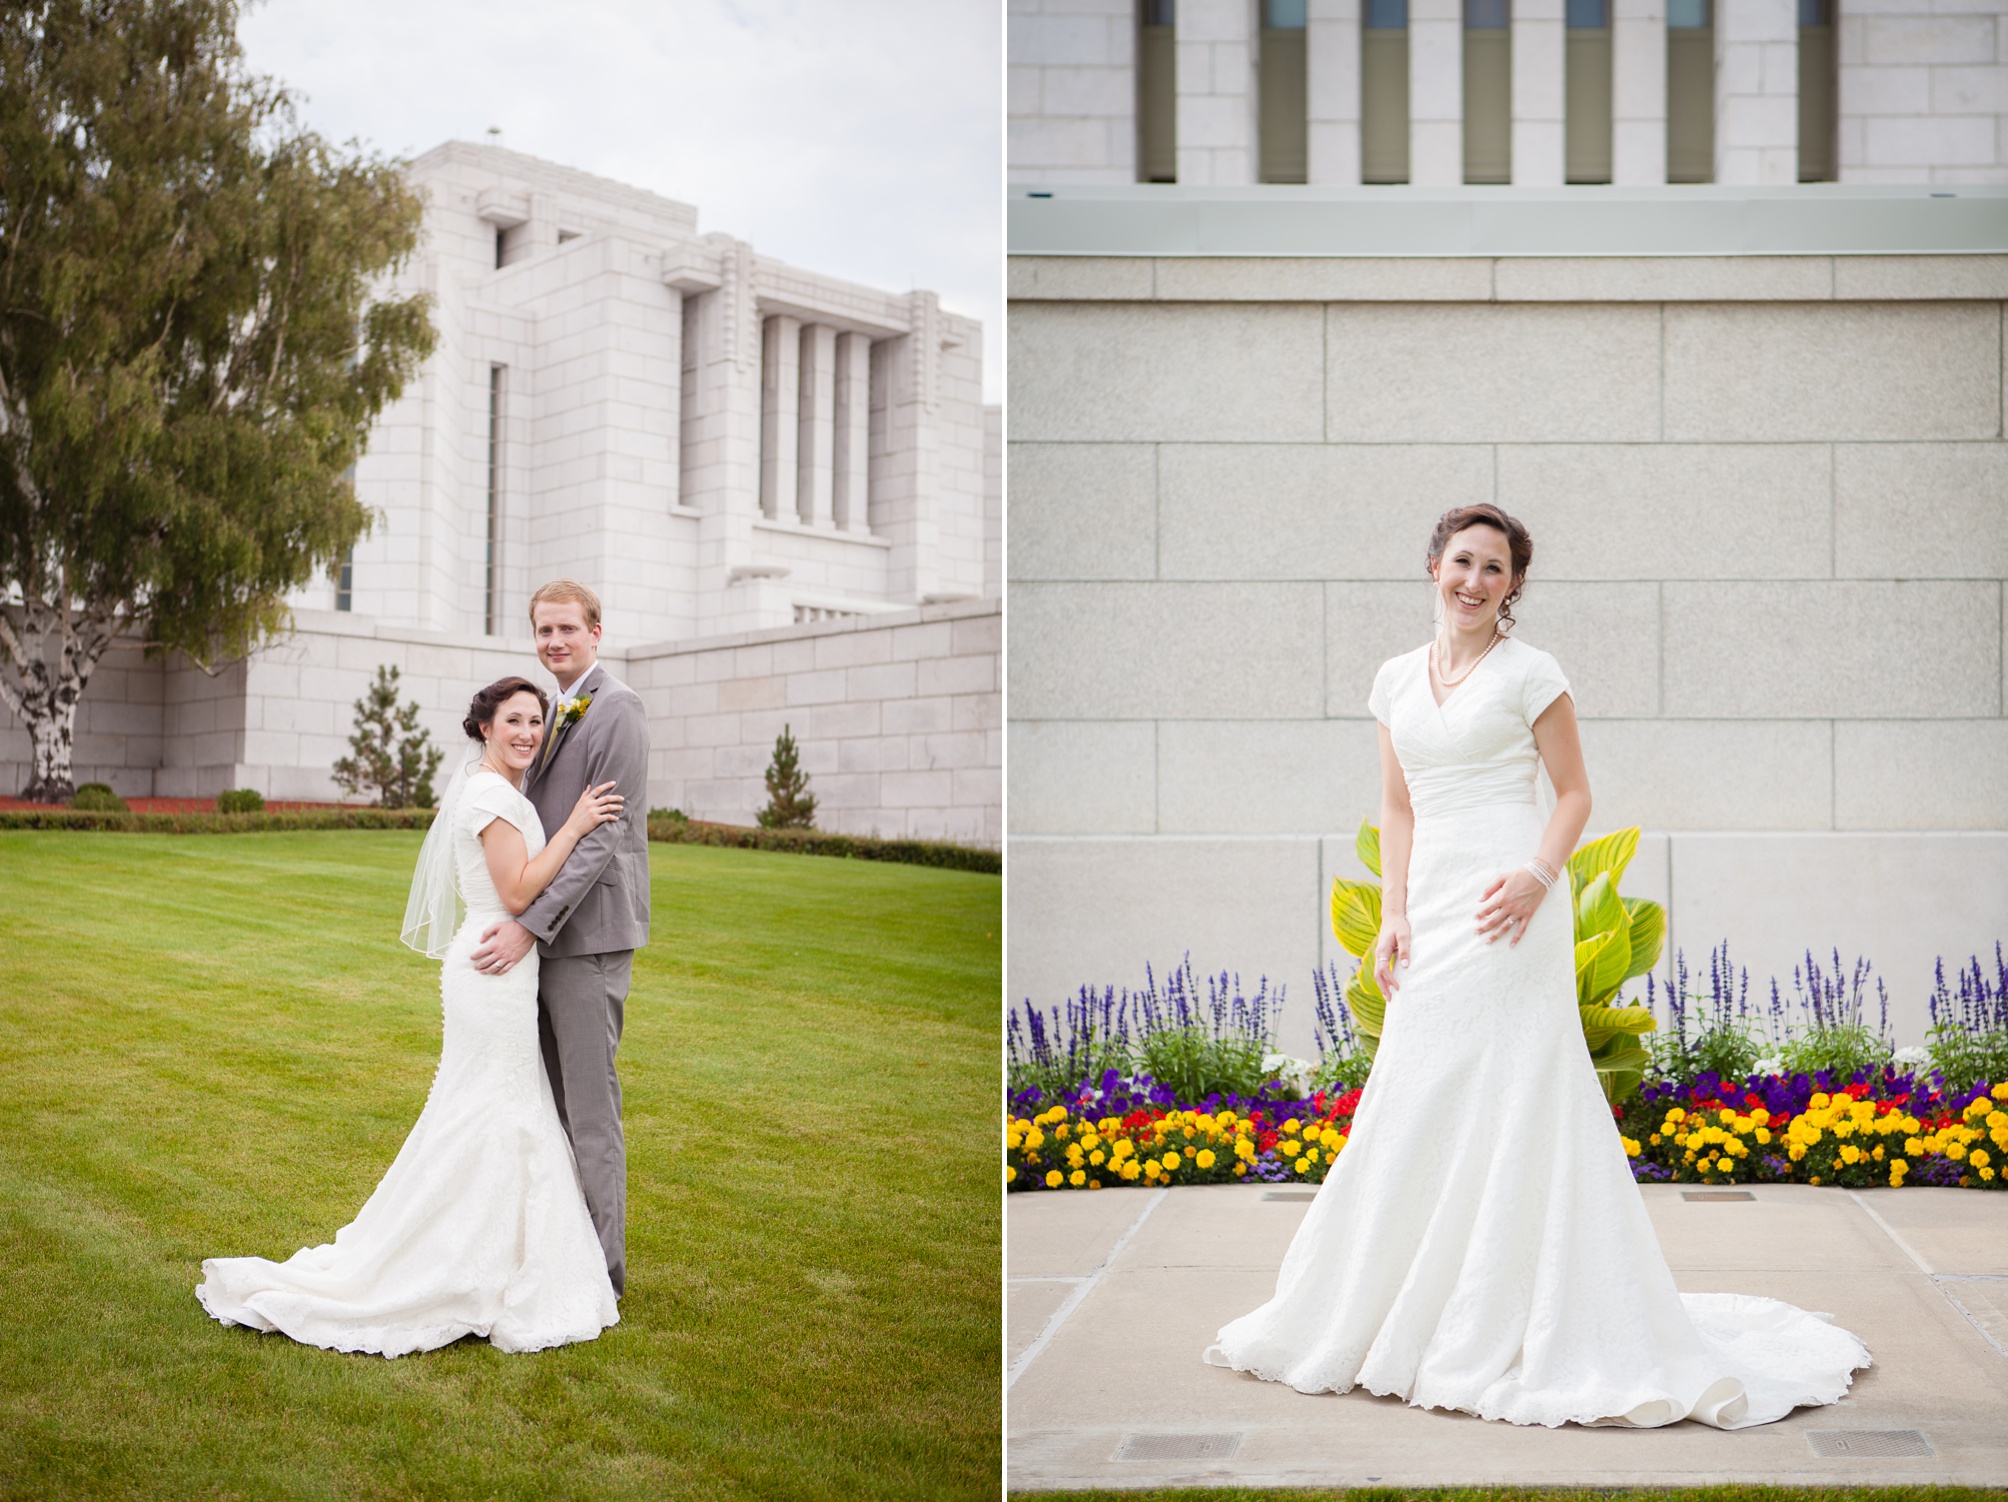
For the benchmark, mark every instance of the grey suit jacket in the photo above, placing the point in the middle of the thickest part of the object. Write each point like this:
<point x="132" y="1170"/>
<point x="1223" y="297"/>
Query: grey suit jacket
<point x="598" y="902"/>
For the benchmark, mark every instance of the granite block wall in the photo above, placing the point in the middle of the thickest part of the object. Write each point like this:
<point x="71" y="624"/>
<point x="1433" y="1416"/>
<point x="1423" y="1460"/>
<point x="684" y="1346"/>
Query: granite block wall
<point x="1766" y="496"/>
<point x="898" y="718"/>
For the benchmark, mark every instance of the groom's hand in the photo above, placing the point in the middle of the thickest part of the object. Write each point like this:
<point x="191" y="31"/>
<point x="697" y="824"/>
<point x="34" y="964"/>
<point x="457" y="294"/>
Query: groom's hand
<point x="502" y="947"/>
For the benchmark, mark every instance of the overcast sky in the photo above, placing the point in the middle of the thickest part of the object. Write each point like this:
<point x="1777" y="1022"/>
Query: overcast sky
<point x="861" y="139"/>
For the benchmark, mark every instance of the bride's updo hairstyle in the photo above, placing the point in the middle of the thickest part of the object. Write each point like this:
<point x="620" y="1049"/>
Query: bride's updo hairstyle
<point x="481" y="711"/>
<point x="1519" y="546"/>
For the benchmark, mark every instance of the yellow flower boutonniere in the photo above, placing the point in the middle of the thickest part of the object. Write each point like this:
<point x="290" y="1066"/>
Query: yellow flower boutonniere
<point x="575" y="712"/>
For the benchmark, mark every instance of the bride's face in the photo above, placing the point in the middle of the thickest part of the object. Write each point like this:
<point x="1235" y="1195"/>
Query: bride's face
<point x="516" y="731"/>
<point x="1474" y="574"/>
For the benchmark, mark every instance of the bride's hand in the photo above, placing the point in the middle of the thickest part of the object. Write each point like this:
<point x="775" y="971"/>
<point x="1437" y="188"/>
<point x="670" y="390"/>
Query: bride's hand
<point x="596" y="806"/>
<point x="1390" y="945"/>
<point x="1508" y="906"/>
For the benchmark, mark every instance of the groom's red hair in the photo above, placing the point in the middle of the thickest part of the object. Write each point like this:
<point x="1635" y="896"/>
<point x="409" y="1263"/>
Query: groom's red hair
<point x="569" y="592"/>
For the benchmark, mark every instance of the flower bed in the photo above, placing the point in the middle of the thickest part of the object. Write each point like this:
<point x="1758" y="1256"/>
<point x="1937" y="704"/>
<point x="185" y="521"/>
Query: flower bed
<point x="1122" y="1137"/>
<point x="1877" y="1128"/>
<point x="1889" y="1129"/>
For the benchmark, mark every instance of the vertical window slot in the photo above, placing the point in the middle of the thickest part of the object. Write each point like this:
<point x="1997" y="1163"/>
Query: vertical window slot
<point x="1285" y="154"/>
<point x="1690" y="91"/>
<point x="493" y="568"/>
<point x="1488" y="92"/>
<point x="1384" y="93"/>
<point x="1156" y="93"/>
<point x="1587" y="97"/>
<point x="1817" y="92"/>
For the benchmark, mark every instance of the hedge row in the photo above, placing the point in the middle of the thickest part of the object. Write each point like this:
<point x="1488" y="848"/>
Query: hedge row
<point x="196" y="822"/>
<point x="819" y="842"/>
<point x="670" y="831"/>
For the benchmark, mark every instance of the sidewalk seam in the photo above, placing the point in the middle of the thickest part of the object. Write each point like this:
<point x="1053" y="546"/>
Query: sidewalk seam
<point x="1079" y="1296"/>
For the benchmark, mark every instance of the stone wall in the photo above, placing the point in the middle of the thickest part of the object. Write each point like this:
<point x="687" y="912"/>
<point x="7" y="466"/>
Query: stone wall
<point x="1072" y="90"/>
<point x="1766" y="495"/>
<point x="898" y="718"/>
<point x="1924" y="91"/>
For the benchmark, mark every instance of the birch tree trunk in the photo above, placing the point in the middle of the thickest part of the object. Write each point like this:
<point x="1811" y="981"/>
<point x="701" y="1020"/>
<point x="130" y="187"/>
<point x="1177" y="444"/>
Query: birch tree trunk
<point x="47" y="655"/>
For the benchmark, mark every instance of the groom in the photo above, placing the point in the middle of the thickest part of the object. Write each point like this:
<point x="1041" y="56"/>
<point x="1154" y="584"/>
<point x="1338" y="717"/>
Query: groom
<point x="594" y="915"/>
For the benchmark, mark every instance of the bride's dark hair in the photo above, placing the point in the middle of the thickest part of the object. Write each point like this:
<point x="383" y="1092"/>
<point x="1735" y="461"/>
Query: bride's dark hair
<point x="481" y="711"/>
<point x="1519" y="546"/>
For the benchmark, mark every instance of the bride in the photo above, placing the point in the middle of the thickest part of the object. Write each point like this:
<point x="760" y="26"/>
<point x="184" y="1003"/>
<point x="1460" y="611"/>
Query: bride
<point x="1480" y="1245"/>
<point x="479" y="1227"/>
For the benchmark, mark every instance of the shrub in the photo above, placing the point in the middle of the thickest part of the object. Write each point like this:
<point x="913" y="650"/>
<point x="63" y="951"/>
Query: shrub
<point x="1969" y="1030"/>
<point x="669" y="815"/>
<point x="790" y="804"/>
<point x="1840" y="1041"/>
<point x="393" y="757"/>
<point x="1713" y="1033"/>
<point x="240" y="801"/>
<point x="98" y="798"/>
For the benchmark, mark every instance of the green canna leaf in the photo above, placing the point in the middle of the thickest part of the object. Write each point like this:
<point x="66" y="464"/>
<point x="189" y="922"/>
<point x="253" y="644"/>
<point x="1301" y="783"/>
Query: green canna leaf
<point x="1356" y="915"/>
<point x="1366" y="845"/>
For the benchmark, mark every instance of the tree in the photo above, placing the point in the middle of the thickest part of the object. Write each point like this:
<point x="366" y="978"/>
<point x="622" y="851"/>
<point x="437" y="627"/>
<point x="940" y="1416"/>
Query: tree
<point x="790" y="804"/>
<point x="393" y="758"/>
<point x="190" y="353"/>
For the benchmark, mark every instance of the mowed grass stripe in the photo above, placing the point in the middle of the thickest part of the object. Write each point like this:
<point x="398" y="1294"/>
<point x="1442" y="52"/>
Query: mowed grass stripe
<point x="214" y="1045"/>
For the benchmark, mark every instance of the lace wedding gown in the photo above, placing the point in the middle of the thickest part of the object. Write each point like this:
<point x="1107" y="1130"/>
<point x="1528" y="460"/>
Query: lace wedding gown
<point x="1480" y="1245"/>
<point x="479" y="1227"/>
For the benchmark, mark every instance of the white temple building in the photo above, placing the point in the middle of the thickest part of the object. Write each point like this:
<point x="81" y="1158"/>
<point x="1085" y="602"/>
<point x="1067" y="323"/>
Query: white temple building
<point x="785" y="488"/>
<point x="718" y="441"/>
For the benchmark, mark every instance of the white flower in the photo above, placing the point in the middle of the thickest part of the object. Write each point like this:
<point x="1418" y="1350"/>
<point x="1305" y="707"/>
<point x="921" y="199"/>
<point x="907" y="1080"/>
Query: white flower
<point x="1769" y="1064"/>
<point x="1912" y="1057"/>
<point x="1292" y="1073"/>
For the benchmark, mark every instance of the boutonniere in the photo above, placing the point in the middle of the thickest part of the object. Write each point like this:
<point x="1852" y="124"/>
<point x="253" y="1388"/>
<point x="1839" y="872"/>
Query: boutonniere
<point x="574" y="712"/>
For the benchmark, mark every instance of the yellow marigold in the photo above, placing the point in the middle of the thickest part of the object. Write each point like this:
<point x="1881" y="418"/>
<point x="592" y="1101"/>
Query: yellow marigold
<point x="1243" y="1148"/>
<point x="1170" y="1161"/>
<point x="1053" y="1179"/>
<point x="1077" y="1178"/>
<point x="1676" y="1114"/>
<point x="1091" y="1140"/>
<point x="1010" y="1174"/>
<point x="1761" y="1116"/>
<point x="2000" y="1091"/>
<point x="1311" y="1156"/>
<point x="1955" y="1150"/>
<point x="1124" y="1149"/>
<point x="1097" y="1157"/>
<point x="1074" y="1154"/>
<point x="1292" y="1127"/>
<point x="1303" y="1165"/>
<point x="1987" y="1173"/>
<point x="1851" y="1154"/>
<point x="1129" y="1170"/>
<point x="1878" y="1153"/>
<point x="1814" y="1179"/>
<point x="1205" y="1158"/>
<point x="1061" y="1130"/>
<point x="1796" y="1152"/>
<point x="1978" y="1158"/>
<point x="1289" y="1147"/>
<point x="1763" y="1134"/>
<point x="1331" y="1139"/>
<point x="1896" y="1174"/>
<point x="1631" y="1147"/>
<point x="1725" y="1116"/>
<point x="1034" y="1140"/>
<point x="1240" y="1169"/>
<point x="1975" y="1107"/>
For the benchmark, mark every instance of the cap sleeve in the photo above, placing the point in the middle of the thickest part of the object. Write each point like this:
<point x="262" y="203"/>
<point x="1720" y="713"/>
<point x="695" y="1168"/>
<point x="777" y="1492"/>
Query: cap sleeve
<point x="490" y="799"/>
<point x="1378" y="696"/>
<point x="1543" y="685"/>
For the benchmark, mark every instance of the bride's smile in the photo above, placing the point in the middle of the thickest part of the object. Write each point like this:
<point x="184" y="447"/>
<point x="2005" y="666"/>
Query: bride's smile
<point x="518" y="732"/>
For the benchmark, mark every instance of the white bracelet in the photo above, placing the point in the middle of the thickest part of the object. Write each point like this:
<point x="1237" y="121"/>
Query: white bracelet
<point x="1542" y="874"/>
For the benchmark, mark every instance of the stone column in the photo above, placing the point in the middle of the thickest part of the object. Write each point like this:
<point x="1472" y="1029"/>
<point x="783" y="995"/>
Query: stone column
<point x="1436" y="93"/>
<point x="1332" y="90"/>
<point x="815" y="484"/>
<point x="721" y="420"/>
<point x="1756" y="91"/>
<point x="851" y="447"/>
<point x="1638" y="93"/>
<point x="780" y="413"/>
<point x="1539" y="94"/>
<point x="906" y="508"/>
<point x="1216" y="42"/>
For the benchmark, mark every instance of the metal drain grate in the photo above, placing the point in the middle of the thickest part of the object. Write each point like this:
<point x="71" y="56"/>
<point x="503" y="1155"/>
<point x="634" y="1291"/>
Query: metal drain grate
<point x="1838" y="1444"/>
<point x="1704" y="1196"/>
<point x="1299" y="1196"/>
<point x="1179" y="1447"/>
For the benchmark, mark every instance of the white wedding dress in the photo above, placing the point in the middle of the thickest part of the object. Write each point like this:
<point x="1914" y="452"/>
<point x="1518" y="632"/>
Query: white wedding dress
<point x="1480" y="1245"/>
<point x="479" y="1227"/>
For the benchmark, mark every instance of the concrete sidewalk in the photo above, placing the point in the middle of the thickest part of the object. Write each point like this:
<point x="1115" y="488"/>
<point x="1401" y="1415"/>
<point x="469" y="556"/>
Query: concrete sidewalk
<point x="1112" y="1296"/>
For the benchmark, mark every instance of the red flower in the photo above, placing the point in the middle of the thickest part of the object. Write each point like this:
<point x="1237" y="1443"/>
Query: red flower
<point x="1856" y="1092"/>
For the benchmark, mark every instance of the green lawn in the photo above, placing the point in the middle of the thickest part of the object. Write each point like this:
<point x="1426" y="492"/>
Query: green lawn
<point x="213" y="1045"/>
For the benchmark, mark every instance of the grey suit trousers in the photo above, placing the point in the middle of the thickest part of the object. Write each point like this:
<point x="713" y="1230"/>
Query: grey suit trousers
<point x="581" y="1001"/>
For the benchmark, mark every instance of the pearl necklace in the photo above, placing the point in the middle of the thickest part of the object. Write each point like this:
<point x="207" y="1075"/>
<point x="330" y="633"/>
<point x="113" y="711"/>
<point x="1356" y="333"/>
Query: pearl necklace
<point x="1436" y="659"/>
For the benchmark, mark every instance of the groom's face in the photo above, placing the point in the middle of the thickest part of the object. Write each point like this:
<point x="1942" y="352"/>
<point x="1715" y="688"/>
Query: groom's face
<point x="565" y="643"/>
